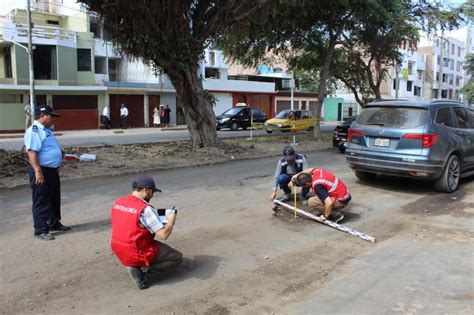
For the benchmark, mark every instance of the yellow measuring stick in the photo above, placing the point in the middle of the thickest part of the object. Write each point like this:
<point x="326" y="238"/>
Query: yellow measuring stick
<point x="294" y="194"/>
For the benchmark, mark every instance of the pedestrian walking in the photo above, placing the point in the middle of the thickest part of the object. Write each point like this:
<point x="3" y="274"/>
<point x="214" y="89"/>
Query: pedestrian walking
<point x="106" y="116"/>
<point x="44" y="156"/>
<point x="167" y="116"/>
<point x="135" y="222"/>
<point x="124" y="116"/>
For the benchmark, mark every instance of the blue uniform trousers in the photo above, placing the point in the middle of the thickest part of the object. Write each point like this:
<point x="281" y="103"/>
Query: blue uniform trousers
<point x="46" y="199"/>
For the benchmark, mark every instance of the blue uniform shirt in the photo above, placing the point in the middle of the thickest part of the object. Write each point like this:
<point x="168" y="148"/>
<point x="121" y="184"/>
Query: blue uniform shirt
<point x="41" y="139"/>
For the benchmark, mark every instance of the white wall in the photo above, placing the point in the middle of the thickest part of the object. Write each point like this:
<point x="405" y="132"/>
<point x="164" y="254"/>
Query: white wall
<point x="223" y="103"/>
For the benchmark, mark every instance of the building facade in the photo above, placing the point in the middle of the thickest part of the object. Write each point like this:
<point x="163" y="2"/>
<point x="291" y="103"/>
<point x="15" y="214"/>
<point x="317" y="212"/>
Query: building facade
<point x="78" y="72"/>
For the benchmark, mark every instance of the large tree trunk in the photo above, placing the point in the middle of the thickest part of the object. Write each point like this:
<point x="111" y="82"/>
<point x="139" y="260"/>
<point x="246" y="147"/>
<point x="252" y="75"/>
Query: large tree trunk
<point x="323" y="76"/>
<point x="197" y="106"/>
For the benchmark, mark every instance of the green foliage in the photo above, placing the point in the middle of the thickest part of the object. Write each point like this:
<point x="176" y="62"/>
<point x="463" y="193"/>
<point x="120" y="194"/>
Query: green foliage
<point x="468" y="88"/>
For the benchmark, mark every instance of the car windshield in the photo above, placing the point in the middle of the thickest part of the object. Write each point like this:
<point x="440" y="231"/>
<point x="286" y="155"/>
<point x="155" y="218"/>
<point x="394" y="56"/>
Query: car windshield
<point x="231" y="112"/>
<point x="393" y="117"/>
<point x="283" y="115"/>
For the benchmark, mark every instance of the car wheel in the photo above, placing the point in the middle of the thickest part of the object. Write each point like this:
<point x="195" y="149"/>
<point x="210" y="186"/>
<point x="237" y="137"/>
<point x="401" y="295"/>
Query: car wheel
<point x="234" y="126"/>
<point x="269" y="131"/>
<point x="342" y="148"/>
<point x="365" y="176"/>
<point x="449" y="180"/>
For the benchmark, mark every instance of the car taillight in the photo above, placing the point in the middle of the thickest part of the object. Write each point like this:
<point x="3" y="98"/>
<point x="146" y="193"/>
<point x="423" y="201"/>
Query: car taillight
<point x="352" y="133"/>
<point x="427" y="139"/>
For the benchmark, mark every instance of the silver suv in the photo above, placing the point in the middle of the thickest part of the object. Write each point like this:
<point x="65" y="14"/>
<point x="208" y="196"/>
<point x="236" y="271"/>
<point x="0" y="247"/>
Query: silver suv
<point x="428" y="140"/>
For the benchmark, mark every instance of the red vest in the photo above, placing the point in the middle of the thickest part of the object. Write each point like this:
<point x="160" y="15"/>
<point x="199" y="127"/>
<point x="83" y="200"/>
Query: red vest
<point x="334" y="186"/>
<point x="132" y="244"/>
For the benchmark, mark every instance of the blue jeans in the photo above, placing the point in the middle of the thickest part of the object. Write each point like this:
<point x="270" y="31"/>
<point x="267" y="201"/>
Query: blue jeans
<point x="284" y="180"/>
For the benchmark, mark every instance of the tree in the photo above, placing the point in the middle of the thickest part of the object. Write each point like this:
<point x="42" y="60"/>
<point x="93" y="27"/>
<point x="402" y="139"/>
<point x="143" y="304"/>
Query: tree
<point x="172" y="36"/>
<point x="468" y="88"/>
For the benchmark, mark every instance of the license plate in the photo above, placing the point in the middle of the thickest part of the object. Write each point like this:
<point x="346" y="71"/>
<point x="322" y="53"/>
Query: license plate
<point x="382" y="142"/>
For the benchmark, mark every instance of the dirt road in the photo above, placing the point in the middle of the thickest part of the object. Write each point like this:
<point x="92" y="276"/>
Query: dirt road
<point x="239" y="258"/>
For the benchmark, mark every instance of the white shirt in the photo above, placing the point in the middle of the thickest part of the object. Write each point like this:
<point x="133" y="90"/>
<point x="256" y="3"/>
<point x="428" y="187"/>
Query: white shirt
<point x="124" y="111"/>
<point x="106" y="112"/>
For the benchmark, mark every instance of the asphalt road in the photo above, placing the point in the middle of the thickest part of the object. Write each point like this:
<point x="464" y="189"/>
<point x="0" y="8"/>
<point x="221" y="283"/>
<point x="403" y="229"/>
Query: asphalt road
<point x="90" y="138"/>
<point x="241" y="259"/>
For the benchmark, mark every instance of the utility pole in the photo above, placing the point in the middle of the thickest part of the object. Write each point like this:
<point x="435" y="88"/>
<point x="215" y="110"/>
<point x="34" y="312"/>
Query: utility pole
<point x="30" y="63"/>
<point x="293" y="129"/>
<point x="441" y="66"/>
<point x="397" y="81"/>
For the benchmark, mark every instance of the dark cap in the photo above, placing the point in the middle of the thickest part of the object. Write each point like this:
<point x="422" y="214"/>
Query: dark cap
<point x="46" y="110"/>
<point x="289" y="153"/>
<point x="144" y="181"/>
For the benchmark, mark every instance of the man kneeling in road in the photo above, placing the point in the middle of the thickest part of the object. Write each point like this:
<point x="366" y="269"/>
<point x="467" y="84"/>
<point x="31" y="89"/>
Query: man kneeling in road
<point x="290" y="164"/>
<point x="134" y="225"/>
<point x="331" y="193"/>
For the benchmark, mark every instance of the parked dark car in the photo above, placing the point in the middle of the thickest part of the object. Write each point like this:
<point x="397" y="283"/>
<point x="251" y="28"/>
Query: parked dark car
<point x="428" y="140"/>
<point x="239" y="117"/>
<point x="339" y="136"/>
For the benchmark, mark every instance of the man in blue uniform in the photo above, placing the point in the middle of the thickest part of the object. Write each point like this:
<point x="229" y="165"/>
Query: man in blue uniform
<point x="44" y="156"/>
<point x="290" y="164"/>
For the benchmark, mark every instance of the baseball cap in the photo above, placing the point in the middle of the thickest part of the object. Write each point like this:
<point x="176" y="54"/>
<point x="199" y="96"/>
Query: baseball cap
<point x="289" y="153"/>
<point x="144" y="181"/>
<point x="47" y="110"/>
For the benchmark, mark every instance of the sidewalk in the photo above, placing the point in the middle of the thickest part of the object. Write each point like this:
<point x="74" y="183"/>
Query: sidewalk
<point x="100" y="132"/>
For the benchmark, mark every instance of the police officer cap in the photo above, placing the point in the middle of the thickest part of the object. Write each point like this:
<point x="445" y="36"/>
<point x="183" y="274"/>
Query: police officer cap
<point x="144" y="181"/>
<point x="47" y="110"/>
<point x="289" y="152"/>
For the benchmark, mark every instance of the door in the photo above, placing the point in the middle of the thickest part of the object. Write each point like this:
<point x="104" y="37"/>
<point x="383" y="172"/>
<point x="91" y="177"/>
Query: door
<point x="339" y="111"/>
<point x="153" y="101"/>
<point x="465" y="131"/>
<point x="134" y="103"/>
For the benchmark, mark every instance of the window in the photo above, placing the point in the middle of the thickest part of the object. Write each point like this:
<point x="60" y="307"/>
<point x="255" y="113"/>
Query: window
<point x="438" y="60"/>
<point x="459" y="51"/>
<point x="445" y="77"/>
<point x="84" y="60"/>
<point x="212" y="58"/>
<point x="444" y="117"/>
<point x="452" y="49"/>
<point x="437" y="42"/>
<point x="451" y="79"/>
<point x="446" y="62"/>
<point x="410" y="68"/>
<point x="394" y="84"/>
<point x="444" y="93"/>
<point x="451" y="64"/>
<point x="393" y="117"/>
<point x="211" y="73"/>
<point x="437" y="76"/>
<point x="420" y="74"/>
<point x="470" y="113"/>
<point x="417" y="91"/>
<point x="409" y="85"/>
<point x="461" y="117"/>
<point x="7" y="63"/>
<point x="458" y="79"/>
<point x="53" y="22"/>
<point x="458" y="66"/>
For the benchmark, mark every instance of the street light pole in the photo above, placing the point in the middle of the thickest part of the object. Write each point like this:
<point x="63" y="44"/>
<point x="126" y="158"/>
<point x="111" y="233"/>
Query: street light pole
<point x="30" y="63"/>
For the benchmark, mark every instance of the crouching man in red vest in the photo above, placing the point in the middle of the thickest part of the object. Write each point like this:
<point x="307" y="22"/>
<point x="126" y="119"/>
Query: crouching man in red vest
<point x="331" y="193"/>
<point x="134" y="225"/>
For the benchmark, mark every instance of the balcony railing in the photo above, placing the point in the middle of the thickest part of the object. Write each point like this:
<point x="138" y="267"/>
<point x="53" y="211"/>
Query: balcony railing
<point x="41" y="35"/>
